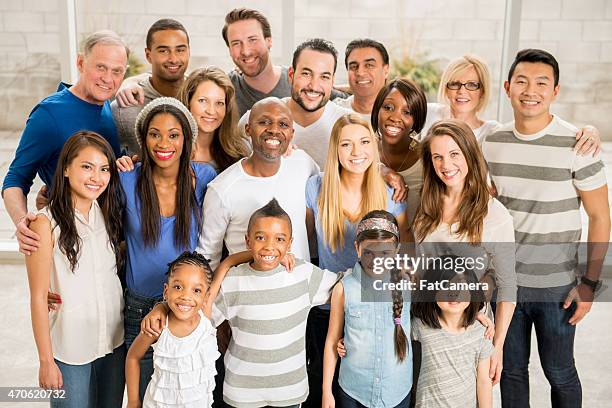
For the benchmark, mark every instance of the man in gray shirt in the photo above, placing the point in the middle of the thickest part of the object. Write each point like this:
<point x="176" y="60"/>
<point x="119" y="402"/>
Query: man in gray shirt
<point x="248" y="36"/>
<point x="168" y="52"/>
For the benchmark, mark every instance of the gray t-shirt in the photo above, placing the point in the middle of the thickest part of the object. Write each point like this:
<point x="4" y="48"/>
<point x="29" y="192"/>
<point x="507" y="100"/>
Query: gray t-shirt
<point x="125" y="118"/>
<point x="247" y="96"/>
<point x="448" y="365"/>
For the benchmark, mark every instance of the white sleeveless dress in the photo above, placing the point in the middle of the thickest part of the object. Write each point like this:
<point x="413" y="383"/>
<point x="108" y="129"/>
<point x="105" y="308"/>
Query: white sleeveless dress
<point x="184" y="369"/>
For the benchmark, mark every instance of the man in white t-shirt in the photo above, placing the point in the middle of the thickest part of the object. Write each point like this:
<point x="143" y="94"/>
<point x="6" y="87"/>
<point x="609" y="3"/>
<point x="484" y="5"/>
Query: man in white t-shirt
<point x="252" y="182"/>
<point x="311" y="76"/>
<point x="367" y="64"/>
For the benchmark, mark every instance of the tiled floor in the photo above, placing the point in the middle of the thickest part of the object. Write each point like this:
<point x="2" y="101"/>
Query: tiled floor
<point x="19" y="361"/>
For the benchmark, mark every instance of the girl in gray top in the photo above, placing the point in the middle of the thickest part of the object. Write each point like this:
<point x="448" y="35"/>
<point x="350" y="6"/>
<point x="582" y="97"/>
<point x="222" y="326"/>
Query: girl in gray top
<point x="456" y="356"/>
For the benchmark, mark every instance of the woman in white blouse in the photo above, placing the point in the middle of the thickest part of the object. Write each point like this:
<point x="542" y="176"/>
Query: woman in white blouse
<point x="457" y="207"/>
<point x="80" y="343"/>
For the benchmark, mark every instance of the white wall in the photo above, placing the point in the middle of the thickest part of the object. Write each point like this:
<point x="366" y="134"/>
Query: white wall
<point x="578" y="33"/>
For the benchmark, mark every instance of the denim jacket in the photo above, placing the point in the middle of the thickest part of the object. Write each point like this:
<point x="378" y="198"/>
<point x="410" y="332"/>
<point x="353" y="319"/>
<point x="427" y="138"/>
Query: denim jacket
<point x="370" y="372"/>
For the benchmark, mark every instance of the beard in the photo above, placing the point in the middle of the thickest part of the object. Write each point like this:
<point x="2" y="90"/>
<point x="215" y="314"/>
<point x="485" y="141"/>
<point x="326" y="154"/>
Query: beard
<point x="258" y="69"/>
<point x="296" y="95"/>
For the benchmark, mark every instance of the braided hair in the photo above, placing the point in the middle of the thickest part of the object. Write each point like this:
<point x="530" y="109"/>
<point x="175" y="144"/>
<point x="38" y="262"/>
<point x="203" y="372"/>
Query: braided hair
<point x="377" y="233"/>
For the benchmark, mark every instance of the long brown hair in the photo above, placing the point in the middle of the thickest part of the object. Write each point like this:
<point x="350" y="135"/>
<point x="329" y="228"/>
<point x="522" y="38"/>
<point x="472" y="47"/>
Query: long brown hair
<point x="110" y="201"/>
<point x="476" y="192"/>
<point x="400" y="339"/>
<point x="228" y="145"/>
<point x="186" y="206"/>
<point x="374" y="191"/>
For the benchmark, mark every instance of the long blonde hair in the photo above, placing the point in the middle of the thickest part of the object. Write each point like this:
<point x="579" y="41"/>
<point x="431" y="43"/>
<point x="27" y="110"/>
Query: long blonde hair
<point x="228" y="146"/>
<point x="476" y="192"/>
<point x="374" y="191"/>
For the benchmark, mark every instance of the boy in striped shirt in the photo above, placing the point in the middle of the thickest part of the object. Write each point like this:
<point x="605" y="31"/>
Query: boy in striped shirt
<point x="267" y="309"/>
<point x="542" y="182"/>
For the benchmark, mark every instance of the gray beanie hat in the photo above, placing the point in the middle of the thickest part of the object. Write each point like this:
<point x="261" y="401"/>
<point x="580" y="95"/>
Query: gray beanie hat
<point x="164" y="100"/>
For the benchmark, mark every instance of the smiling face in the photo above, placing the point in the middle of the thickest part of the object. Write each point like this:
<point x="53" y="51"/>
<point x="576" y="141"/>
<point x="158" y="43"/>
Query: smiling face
<point x="394" y="119"/>
<point x="208" y="106"/>
<point x="366" y="71"/>
<point x="532" y="90"/>
<point x="269" y="239"/>
<point x="88" y="175"/>
<point x="355" y="148"/>
<point x="248" y="48"/>
<point x="101" y="72"/>
<point x="169" y="55"/>
<point x="186" y="291"/>
<point x="165" y="140"/>
<point x="312" y="80"/>
<point x="448" y="162"/>
<point x="270" y="128"/>
<point x="462" y="100"/>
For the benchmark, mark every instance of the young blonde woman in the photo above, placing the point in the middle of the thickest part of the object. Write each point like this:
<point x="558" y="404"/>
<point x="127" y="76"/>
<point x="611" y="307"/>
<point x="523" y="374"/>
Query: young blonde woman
<point x="464" y="93"/>
<point x="351" y="187"/>
<point x="209" y="95"/>
<point x="457" y="207"/>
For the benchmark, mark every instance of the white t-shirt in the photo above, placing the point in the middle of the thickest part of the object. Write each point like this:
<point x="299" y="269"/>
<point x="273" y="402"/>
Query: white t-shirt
<point x="313" y="139"/>
<point x="347" y="103"/>
<point x="438" y="111"/>
<point x="234" y="195"/>
<point x="497" y="242"/>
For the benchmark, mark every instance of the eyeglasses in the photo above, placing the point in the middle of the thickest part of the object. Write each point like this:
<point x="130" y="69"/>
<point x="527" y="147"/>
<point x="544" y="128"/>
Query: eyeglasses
<point x="470" y="85"/>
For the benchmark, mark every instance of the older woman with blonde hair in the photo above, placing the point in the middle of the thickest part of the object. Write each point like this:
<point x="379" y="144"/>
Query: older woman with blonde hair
<point x="209" y="95"/>
<point x="464" y="93"/>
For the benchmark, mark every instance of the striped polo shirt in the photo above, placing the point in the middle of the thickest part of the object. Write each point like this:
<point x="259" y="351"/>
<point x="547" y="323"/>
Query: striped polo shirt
<point x="265" y="363"/>
<point x="538" y="178"/>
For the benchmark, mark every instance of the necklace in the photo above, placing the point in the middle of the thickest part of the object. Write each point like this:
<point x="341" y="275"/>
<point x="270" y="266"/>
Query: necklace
<point x="411" y="148"/>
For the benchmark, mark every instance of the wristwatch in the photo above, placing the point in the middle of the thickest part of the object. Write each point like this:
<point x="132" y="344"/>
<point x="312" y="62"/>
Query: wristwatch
<point x="594" y="285"/>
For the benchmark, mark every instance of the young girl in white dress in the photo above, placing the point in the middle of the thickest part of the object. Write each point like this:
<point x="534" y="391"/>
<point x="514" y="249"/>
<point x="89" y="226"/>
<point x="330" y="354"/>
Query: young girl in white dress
<point x="185" y="351"/>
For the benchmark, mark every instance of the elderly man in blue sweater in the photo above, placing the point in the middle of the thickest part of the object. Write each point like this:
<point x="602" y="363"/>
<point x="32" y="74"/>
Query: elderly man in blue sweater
<point x="83" y="106"/>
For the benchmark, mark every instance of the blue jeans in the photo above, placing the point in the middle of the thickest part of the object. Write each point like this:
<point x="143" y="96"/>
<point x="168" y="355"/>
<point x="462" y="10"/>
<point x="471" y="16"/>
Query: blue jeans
<point x="555" y="337"/>
<point x="96" y="384"/>
<point x="346" y="401"/>
<point x="136" y="308"/>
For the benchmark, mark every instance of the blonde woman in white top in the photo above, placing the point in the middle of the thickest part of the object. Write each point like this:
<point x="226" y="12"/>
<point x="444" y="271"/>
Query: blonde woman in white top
<point x="457" y="207"/>
<point x="80" y="344"/>
<point x="464" y="93"/>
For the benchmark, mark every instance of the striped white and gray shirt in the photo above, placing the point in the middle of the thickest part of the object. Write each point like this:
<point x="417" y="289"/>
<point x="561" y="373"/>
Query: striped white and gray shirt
<point x="538" y="178"/>
<point x="265" y="363"/>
